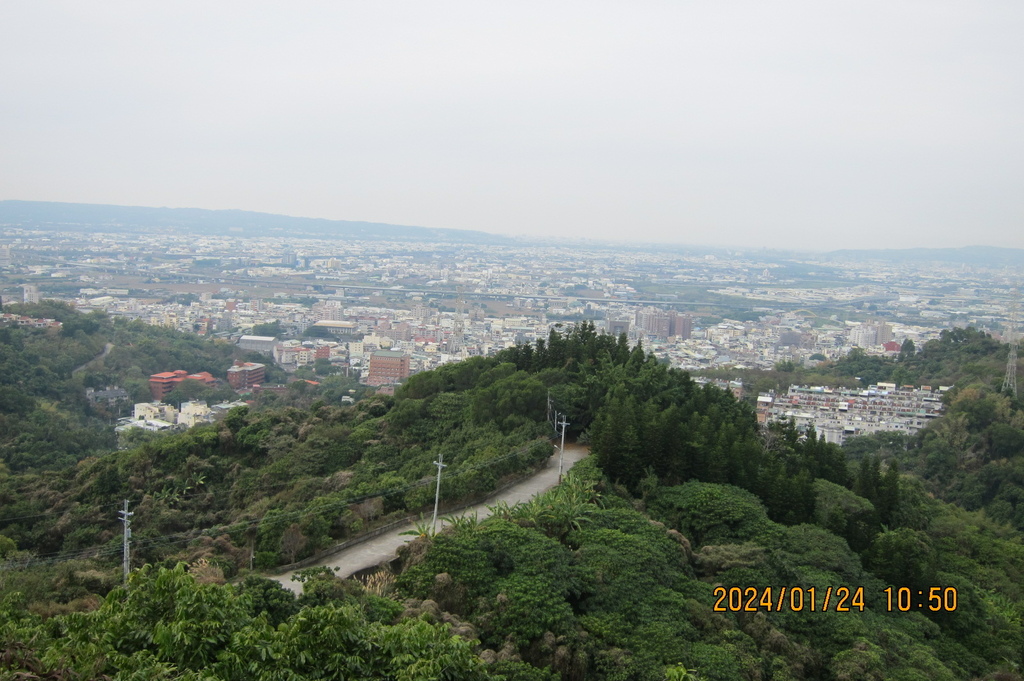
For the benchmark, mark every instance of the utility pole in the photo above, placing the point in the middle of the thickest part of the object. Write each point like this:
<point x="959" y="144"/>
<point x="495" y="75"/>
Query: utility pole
<point x="1010" y="380"/>
<point x="125" y="518"/>
<point x="437" y="491"/>
<point x="561" y="450"/>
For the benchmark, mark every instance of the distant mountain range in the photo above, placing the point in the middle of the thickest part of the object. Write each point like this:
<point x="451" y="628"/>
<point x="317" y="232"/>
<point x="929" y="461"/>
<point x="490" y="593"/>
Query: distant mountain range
<point x="990" y="256"/>
<point x="88" y="217"/>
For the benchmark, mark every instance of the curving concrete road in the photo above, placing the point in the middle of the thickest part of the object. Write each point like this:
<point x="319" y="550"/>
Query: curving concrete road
<point x="106" y="351"/>
<point x="379" y="549"/>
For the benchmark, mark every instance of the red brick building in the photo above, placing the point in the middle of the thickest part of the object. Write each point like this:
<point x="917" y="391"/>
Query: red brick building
<point x="161" y="385"/>
<point x="244" y="375"/>
<point x="387" y="367"/>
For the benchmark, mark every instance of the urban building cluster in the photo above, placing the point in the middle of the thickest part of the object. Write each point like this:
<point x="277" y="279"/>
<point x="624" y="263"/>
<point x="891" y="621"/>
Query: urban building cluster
<point x="837" y="413"/>
<point x="347" y="335"/>
<point x="7" y="319"/>
<point x="382" y="310"/>
<point x="157" y="416"/>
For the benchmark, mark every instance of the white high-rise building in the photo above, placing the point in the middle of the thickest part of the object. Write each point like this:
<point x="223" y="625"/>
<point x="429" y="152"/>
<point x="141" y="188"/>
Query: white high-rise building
<point x="30" y="293"/>
<point x="864" y="336"/>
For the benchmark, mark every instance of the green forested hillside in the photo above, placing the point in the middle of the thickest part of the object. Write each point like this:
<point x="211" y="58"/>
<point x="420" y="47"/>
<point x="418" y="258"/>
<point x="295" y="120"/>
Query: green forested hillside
<point x="583" y="583"/>
<point x="973" y="456"/>
<point x="806" y="519"/>
<point x="318" y="476"/>
<point x="616" y="574"/>
<point x="959" y="356"/>
<point x="45" y="420"/>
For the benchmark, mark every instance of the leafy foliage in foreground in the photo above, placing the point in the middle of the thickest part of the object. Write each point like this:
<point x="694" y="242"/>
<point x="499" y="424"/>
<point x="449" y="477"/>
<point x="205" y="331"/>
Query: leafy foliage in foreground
<point x="166" y="625"/>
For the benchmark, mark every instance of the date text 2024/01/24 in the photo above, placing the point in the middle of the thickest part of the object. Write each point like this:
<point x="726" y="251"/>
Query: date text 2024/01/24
<point x="830" y="599"/>
<point x="791" y="599"/>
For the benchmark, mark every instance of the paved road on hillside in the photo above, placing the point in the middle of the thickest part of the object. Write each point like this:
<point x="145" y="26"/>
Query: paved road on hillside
<point x="106" y="351"/>
<point x="379" y="549"/>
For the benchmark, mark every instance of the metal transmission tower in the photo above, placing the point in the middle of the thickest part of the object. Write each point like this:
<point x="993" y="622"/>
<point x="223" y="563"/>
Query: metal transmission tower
<point x="126" y="518"/>
<point x="459" y="327"/>
<point x="1010" y="382"/>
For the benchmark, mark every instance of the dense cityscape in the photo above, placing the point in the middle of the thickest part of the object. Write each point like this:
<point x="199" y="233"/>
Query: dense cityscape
<point x="381" y="311"/>
<point x="441" y="301"/>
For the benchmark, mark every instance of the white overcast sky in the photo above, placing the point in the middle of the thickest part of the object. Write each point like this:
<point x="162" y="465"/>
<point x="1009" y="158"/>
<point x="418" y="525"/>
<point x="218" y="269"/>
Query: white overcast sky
<point x="806" y="124"/>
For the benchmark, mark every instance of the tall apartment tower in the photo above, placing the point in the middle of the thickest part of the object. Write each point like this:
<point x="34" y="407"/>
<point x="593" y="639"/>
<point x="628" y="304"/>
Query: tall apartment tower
<point x="682" y="326"/>
<point x="884" y="333"/>
<point x="617" y="327"/>
<point x="653" y="322"/>
<point x="864" y="335"/>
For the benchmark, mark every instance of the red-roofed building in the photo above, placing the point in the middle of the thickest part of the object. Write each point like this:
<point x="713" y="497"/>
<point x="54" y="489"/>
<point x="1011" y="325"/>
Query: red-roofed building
<point x="161" y="385"/>
<point x="892" y="346"/>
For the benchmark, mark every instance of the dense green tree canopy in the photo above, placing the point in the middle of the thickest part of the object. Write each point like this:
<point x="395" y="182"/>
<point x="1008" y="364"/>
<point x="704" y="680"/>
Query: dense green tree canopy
<point x="610" y="576"/>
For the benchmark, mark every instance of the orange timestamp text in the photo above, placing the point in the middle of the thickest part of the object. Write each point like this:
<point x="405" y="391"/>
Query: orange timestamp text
<point x="831" y="599"/>
<point x="789" y="599"/>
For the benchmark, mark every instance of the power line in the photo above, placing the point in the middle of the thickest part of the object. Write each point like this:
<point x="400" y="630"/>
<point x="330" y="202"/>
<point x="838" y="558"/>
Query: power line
<point x="192" y="535"/>
<point x="199" y="493"/>
<point x="138" y="500"/>
<point x="40" y="515"/>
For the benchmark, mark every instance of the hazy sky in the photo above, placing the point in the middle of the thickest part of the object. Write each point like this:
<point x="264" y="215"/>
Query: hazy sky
<point x="789" y="124"/>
